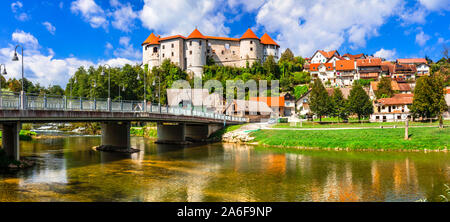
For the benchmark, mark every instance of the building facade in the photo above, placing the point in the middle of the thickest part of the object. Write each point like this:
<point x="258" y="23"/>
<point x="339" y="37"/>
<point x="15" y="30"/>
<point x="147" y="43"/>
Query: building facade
<point x="193" y="52"/>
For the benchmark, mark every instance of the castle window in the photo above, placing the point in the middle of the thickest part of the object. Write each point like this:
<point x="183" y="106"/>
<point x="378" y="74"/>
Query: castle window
<point x="190" y="43"/>
<point x="155" y="49"/>
<point x="164" y="46"/>
<point x="227" y="46"/>
<point x="172" y="45"/>
<point x="251" y="49"/>
<point x="190" y="52"/>
<point x="172" y="53"/>
<point x="222" y="52"/>
<point x="251" y="42"/>
<point x="207" y="51"/>
<point x="163" y="55"/>
<point x="233" y="53"/>
<point x="200" y="43"/>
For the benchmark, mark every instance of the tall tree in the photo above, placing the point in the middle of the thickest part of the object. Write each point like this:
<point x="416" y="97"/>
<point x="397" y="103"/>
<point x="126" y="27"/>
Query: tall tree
<point x="320" y="102"/>
<point x="384" y="88"/>
<point x="423" y="98"/>
<point x="359" y="102"/>
<point x="287" y="56"/>
<point x="340" y="107"/>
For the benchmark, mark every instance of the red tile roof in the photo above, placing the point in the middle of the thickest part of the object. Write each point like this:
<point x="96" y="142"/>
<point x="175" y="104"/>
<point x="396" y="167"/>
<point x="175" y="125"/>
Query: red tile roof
<point x="249" y="35"/>
<point x="151" y="40"/>
<point x="196" y="35"/>
<point x="404" y="87"/>
<point x="368" y="62"/>
<point x="397" y="99"/>
<point x="315" y="66"/>
<point x="342" y="65"/>
<point x="265" y="39"/>
<point x="271" y="101"/>
<point x="172" y="37"/>
<point x="350" y="56"/>
<point x="328" y="54"/>
<point x="412" y="61"/>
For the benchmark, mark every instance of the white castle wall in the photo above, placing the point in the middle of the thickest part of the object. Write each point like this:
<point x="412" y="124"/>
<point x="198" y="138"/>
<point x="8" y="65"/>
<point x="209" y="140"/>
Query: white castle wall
<point x="217" y="49"/>
<point x="195" y="56"/>
<point x="251" y="50"/>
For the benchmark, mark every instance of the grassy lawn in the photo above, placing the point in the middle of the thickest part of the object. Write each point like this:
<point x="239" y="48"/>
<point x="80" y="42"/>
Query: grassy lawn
<point x="420" y="138"/>
<point x="308" y="124"/>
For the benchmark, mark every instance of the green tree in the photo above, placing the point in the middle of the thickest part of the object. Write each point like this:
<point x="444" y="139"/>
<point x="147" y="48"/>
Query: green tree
<point x="384" y="88"/>
<point x="300" y="91"/>
<point x="359" y="102"/>
<point x="320" y="102"/>
<point x="287" y="56"/>
<point x="340" y="106"/>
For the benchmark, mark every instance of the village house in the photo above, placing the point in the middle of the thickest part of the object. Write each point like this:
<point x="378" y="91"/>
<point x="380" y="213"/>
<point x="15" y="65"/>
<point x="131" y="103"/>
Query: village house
<point x="421" y="65"/>
<point x="346" y="72"/>
<point x="276" y="103"/>
<point x="289" y="104"/>
<point x="401" y="88"/>
<point x="404" y="72"/>
<point x="321" y="56"/>
<point x="369" y="68"/>
<point x="324" y="71"/>
<point x="192" y="53"/>
<point x="392" y="109"/>
<point x="302" y="104"/>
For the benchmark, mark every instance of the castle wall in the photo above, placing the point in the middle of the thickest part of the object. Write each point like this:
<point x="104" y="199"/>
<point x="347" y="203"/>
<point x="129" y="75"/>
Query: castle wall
<point x="195" y="56"/>
<point x="251" y="50"/>
<point x="222" y="56"/>
<point x="270" y="50"/>
<point x="173" y="49"/>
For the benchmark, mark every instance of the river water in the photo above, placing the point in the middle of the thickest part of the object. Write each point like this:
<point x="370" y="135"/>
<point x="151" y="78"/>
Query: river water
<point x="70" y="170"/>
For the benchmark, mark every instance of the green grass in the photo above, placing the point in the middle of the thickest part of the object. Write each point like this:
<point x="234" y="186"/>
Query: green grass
<point x="308" y="124"/>
<point x="149" y="132"/>
<point x="420" y="138"/>
<point x="24" y="135"/>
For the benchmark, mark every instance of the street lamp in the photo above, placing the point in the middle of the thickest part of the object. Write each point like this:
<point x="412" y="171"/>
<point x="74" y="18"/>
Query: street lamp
<point x="109" y="84"/>
<point x="22" y="93"/>
<point x="4" y="73"/>
<point x="145" y="93"/>
<point x="159" y="91"/>
<point x="123" y="90"/>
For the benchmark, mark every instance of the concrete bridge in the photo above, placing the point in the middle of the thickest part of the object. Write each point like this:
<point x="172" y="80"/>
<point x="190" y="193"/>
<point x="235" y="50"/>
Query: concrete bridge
<point x="174" y="124"/>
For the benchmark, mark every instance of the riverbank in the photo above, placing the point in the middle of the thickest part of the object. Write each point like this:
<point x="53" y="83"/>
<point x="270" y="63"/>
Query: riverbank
<point x="421" y="138"/>
<point x="315" y="124"/>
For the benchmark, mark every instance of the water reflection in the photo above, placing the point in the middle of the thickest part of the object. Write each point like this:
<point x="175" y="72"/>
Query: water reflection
<point x="70" y="170"/>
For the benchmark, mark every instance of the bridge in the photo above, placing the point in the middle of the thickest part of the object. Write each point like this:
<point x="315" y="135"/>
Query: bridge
<point x="174" y="124"/>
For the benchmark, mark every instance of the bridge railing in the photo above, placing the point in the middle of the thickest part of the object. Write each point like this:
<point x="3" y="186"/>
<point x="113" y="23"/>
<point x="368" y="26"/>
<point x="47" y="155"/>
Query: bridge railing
<point x="32" y="101"/>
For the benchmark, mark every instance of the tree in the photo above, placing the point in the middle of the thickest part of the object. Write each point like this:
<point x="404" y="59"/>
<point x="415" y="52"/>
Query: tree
<point x="359" y="102"/>
<point x="320" y="102"/>
<point x="299" y="91"/>
<point x="340" y="107"/>
<point x="287" y="56"/>
<point x="384" y="88"/>
<point x="423" y="98"/>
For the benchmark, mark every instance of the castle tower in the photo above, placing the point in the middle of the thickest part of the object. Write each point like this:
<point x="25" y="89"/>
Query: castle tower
<point x="270" y="47"/>
<point x="150" y="51"/>
<point x="250" y="48"/>
<point x="195" y="46"/>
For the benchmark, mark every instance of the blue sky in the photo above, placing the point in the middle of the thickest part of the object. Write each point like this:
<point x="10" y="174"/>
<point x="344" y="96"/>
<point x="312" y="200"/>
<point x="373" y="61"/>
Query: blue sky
<point x="59" y="36"/>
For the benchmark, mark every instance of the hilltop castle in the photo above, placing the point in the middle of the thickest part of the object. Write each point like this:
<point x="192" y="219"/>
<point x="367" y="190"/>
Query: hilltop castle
<point x="191" y="53"/>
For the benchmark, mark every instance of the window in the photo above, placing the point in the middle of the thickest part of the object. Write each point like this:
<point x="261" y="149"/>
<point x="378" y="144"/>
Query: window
<point x="172" y="53"/>
<point x="251" y="49"/>
<point x="163" y="55"/>
<point x="223" y="52"/>
<point x="200" y="42"/>
<point x="155" y="49"/>
<point x="207" y="51"/>
<point x="190" y="52"/>
<point x="164" y="46"/>
<point x="172" y="45"/>
<point x="251" y="42"/>
<point x="190" y="43"/>
<point x="233" y="53"/>
<point x="227" y="46"/>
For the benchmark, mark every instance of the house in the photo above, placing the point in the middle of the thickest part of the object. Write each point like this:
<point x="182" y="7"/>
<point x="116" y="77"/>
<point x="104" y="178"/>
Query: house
<point x="346" y="72"/>
<point x="289" y="104"/>
<point x="348" y="56"/>
<point x="369" y="68"/>
<point x="387" y="69"/>
<point x="392" y="109"/>
<point x="422" y="66"/>
<point x="302" y="104"/>
<point x="404" y="72"/>
<point x="276" y="103"/>
<point x="254" y="110"/>
<point x="321" y="56"/>
<point x="324" y="71"/>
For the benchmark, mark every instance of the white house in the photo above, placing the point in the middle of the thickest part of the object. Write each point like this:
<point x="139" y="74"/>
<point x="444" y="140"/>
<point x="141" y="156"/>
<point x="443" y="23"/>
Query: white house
<point x="392" y="109"/>
<point x="321" y="56"/>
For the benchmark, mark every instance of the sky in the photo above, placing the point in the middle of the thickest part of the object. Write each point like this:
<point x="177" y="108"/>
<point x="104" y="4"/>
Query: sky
<point x="58" y="36"/>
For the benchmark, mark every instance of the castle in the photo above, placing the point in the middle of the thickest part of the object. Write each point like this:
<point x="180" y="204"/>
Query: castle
<point x="192" y="53"/>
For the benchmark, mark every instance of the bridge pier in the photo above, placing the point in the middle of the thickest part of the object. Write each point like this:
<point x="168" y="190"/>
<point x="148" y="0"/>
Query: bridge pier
<point x="10" y="139"/>
<point x="171" y="133"/>
<point x="116" y="134"/>
<point x="201" y="132"/>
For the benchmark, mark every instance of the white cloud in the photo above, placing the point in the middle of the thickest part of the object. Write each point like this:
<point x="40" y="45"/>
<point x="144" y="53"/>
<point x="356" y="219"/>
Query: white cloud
<point x="182" y="16"/>
<point x="248" y="5"/>
<point x="22" y="17"/>
<point x="26" y="39"/>
<point x="422" y="38"/>
<point x="90" y="12"/>
<point x="305" y="26"/>
<point x="127" y="50"/>
<point x="108" y="45"/>
<point x="50" y="28"/>
<point x="43" y="68"/>
<point x="15" y="6"/>
<point x="436" y="5"/>
<point x="123" y="16"/>
<point x="386" y="54"/>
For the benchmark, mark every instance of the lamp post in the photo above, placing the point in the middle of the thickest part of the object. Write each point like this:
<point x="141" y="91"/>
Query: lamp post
<point x="159" y="91"/>
<point x="1" y="91"/>
<point x="109" y="84"/>
<point x="145" y="93"/>
<point x="123" y="90"/>
<point x="22" y="93"/>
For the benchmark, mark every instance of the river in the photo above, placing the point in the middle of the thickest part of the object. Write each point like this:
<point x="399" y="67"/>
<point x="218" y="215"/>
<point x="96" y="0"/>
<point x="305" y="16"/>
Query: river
<point x="70" y="170"/>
